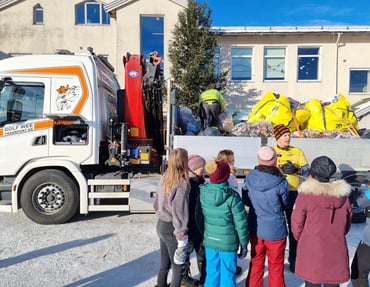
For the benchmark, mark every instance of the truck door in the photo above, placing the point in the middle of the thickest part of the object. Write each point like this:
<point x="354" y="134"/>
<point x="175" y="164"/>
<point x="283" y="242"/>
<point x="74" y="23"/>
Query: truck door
<point x="23" y="130"/>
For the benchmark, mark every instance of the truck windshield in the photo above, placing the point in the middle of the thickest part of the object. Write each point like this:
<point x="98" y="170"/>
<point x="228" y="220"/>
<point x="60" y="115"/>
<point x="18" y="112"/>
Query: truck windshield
<point x="20" y="101"/>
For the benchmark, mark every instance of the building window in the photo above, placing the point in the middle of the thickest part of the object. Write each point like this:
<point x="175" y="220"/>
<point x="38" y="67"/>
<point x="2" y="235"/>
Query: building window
<point x="91" y="13"/>
<point x="38" y="15"/>
<point x="216" y="60"/>
<point x="308" y="63"/>
<point x="241" y="64"/>
<point x="152" y="36"/>
<point x="359" y="81"/>
<point x="274" y="64"/>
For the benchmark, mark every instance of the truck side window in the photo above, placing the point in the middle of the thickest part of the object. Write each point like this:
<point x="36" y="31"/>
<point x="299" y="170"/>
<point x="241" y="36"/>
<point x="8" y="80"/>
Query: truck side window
<point x="20" y="101"/>
<point x="70" y="132"/>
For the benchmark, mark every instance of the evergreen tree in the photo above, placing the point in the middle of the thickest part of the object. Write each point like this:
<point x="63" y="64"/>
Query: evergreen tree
<point x="191" y="52"/>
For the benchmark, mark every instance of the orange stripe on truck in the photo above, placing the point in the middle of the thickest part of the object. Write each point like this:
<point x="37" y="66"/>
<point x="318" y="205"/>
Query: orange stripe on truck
<point x="44" y="125"/>
<point x="72" y="70"/>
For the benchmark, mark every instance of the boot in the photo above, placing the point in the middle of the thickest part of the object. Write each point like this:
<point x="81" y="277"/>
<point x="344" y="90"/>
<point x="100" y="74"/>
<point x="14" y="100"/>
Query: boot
<point x="187" y="281"/>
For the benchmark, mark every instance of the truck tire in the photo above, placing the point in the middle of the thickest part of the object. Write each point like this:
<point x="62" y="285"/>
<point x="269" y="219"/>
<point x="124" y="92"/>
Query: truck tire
<point x="49" y="197"/>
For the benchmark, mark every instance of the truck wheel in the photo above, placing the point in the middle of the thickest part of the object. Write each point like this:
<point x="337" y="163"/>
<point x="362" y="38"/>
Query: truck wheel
<point x="49" y="197"/>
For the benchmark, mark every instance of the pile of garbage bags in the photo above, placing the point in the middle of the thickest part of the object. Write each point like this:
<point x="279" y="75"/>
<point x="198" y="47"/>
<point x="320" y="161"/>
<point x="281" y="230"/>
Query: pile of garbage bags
<point x="334" y="114"/>
<point x="332" y="118"/>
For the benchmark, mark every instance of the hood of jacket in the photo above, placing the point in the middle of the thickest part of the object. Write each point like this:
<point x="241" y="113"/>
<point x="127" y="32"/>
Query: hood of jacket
<point x="216" y="193"/>
<point x="196" y="178"/>
<point x="330" y="195"/>
<point x="262" y="181"/>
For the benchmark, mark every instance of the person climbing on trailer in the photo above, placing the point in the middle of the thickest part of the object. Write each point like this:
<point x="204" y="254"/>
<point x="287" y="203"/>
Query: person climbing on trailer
<point x="211" y="104"/>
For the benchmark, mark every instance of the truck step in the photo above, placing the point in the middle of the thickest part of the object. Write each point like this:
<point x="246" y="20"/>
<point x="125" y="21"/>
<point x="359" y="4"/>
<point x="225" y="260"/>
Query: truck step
<point x="5" y="205"/>
<point x="116" y="200"/>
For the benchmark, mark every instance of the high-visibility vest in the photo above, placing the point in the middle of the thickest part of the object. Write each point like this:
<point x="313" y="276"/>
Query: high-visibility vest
<point x="212" y="94"/>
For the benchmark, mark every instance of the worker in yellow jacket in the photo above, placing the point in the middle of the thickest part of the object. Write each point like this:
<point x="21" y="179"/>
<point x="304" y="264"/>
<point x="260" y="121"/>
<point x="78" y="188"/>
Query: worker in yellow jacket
<point x="211" y="104"/>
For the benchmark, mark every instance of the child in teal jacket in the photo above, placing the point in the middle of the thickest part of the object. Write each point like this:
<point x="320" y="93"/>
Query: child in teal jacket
<point x="222" y="217"/>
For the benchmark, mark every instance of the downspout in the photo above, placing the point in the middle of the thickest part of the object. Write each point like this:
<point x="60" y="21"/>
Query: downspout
<point x="336" y="62"/>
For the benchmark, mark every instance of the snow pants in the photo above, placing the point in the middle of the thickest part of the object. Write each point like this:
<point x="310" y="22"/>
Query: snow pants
<point x="221" y="268"/>
<point x="274" y="250"/>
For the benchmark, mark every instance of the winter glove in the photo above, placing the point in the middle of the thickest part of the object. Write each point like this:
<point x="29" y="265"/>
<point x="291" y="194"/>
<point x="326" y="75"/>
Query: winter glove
<point x="243" y="250"/>
<point x="289" y="168"/>
<point x="181" y="252"/>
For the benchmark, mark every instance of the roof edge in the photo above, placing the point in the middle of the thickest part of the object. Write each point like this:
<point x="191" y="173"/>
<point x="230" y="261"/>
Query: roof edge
<point x="233" y="30"/>
<point x="117" y="4"/>
<point x="8" y="3"/>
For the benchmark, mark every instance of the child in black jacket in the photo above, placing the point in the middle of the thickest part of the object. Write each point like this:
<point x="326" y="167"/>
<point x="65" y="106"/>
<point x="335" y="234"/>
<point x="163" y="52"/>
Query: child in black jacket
<point x="196" y="168"/>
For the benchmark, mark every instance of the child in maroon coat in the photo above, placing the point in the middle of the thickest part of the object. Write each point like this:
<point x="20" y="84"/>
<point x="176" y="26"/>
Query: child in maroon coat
<point x="321" y="219"/>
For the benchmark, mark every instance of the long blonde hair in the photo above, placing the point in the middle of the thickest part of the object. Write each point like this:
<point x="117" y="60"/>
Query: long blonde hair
<point x="177" y="169"/>
<point x="227" y="155"/>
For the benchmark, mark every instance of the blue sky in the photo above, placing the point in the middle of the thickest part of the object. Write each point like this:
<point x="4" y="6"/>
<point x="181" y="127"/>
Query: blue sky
<point x="289" y="12"/>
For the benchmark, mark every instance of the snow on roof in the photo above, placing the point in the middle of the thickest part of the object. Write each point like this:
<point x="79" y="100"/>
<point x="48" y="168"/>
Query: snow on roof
<point x="235" y="30"/>
<point x="5" y="3"/>
<point x="116" y="4"/>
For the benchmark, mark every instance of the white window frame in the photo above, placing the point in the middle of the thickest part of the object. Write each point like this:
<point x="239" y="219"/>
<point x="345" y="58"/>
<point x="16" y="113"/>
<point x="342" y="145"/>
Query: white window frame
<point x="36" y="10"/>
<point x="241" y="56"/>
<point x="365" y="89"/>
<point x="318" y="56"/>
<point x="280" y="67"/>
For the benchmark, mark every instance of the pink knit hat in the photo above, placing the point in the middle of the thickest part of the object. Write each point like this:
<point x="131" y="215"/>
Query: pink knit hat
<point x="218" y="171"/>
<point x="266" y="155"/>
<point x="195" y="161"/>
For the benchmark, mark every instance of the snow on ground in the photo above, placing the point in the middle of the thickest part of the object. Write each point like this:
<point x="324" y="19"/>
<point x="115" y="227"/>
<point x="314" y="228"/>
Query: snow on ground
<point x="100" y="249"/>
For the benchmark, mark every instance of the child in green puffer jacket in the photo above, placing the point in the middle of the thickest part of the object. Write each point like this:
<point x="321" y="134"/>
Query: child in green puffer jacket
<point x="222" y="218"/>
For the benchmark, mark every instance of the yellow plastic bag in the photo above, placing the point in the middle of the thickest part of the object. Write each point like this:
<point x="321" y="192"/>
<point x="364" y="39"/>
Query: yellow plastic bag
<point x="316" y="121"/>
<point x="302" y="115"/>
<point x="337" y="115"/>
<point x="272" y="108"/>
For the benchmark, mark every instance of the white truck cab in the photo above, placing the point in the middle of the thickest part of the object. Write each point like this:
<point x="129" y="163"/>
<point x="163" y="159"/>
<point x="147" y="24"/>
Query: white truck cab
<point x="58" y="124"/>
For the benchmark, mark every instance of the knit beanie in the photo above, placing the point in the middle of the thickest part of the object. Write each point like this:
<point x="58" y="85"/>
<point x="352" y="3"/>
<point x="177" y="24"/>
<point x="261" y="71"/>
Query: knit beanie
<point x="218" y="171"/>
<point x="322" y="168"/>
<point x="195" y="161"/>
<point x="266" y="155"/>
<point x="279" y="130"/>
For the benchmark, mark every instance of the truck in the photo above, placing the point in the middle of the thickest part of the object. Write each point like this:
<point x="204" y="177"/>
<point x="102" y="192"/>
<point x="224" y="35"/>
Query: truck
<point x="71" y="139"/>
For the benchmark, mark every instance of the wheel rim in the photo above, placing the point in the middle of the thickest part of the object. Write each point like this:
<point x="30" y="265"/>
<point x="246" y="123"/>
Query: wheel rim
<point x="48" y="198"/>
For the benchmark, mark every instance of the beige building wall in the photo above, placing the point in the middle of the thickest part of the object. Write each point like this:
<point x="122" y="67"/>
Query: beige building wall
<point x="128" y="27"/>
<point x="339" y="52"/>
<point x="20" y="36"/>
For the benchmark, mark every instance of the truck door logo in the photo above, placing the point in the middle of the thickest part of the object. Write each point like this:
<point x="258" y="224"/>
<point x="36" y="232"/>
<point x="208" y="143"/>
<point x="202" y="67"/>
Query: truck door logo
<point x="67" y="97"/>
<point x="133" y="73"/>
